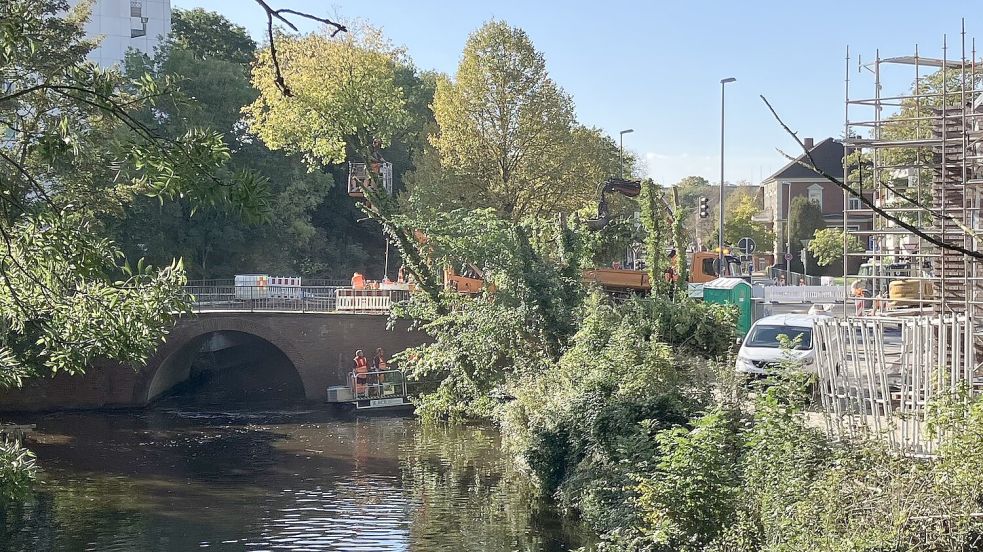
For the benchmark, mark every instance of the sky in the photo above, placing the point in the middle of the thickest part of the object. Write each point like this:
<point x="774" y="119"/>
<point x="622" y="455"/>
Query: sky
<point x="655" y="66"/>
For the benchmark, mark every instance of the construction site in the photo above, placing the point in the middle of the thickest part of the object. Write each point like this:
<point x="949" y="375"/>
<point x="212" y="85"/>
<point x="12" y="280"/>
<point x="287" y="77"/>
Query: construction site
<point x="914" y="165"/>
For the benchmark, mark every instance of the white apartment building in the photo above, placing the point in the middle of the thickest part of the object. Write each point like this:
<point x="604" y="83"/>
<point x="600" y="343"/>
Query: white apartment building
<point x="125" y="24"/>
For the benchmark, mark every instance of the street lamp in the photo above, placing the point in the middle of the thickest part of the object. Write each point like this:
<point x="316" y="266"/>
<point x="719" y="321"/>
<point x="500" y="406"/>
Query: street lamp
<point x="720" y="238"/>
<point x="621" y="149"/>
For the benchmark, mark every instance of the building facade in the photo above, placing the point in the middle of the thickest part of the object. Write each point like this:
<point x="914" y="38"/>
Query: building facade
<point x="124" y="24"/>
<point x="795" y="180"/>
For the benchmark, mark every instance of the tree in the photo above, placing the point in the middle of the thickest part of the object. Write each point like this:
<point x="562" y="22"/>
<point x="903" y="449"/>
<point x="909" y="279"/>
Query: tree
<point x="691" y="188"/>
<point x="215" y="87"/>
<point x="804" y="219"/>
<point x="345" y="95"/>
<point x="741" y="208"/>
<point x="209" y="35"/>
<point x="506" y="129"/>
<point x="658" y="232"/>
<point x="827" y="245"/>
<point x="72" y="151"/>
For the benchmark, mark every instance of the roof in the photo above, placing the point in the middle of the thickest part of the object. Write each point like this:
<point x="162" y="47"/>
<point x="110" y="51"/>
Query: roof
<point x="725" y="283"/>
<point x="798" y="320"/>
<point x="828" y="155"/>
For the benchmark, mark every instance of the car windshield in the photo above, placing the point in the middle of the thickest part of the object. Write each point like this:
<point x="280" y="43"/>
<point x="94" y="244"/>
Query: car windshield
<point x="767" y="336"/>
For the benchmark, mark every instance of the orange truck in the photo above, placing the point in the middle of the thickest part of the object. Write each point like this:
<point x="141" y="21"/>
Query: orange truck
<point x="702" y="269"/>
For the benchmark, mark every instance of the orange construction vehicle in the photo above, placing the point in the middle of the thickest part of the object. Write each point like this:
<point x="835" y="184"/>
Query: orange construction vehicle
<point x="702" y="269"/>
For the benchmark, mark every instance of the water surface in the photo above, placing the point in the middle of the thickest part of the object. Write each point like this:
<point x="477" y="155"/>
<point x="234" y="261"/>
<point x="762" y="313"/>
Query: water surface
<point x="212" y="479"/>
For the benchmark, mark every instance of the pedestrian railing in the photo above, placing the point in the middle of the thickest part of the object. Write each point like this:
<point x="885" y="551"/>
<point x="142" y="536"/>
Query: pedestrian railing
<point x="233" y="298"/>
<point x="792" y="278"/>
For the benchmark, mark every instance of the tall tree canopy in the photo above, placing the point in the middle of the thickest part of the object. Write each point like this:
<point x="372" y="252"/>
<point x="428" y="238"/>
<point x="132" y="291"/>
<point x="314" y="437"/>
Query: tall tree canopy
<point x="804" y="218"/>
<point x="740" y="208"/>
<point x="346" y="94"/>
<point x="506" y="134"/>
<point x="215" y="85"/>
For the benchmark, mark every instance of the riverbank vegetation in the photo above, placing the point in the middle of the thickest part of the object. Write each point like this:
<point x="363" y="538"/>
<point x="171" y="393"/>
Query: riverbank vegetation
<point x="623" y="410"/>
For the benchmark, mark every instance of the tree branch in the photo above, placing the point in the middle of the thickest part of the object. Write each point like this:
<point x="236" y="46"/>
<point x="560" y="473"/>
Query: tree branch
<point x="938" y="242"/>
<point x="272" y="14"/>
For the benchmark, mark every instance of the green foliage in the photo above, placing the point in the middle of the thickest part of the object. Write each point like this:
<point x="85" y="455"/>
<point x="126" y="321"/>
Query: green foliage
<point x="655" y="221"/>
<point x="679" y="241"/>
<point x="827" y="245"/>
<point x="684" y="512"/>
<point x="768" y="480"/>
<point x="345" y="94"/>
<point x="17" y="472"/>
<point x="506" y="136"/>
<point x="586" y="421"/>
<point x="480" y="343"/>
<point x="804" y="219"/>
<point x="217" y="243"/>
<point x="741" y="209"/>
<point x="209" y="35"/>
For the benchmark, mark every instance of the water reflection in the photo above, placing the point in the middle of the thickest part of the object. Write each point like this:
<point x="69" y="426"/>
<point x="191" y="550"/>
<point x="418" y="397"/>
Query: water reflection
<point x="274" y="480"/>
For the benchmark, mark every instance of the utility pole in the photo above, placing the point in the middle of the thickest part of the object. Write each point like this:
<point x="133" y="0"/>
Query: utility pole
<point x="720" y="239"/>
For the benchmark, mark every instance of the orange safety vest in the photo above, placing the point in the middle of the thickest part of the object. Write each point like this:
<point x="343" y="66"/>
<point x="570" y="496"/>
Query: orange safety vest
<point x="358" y="281"/>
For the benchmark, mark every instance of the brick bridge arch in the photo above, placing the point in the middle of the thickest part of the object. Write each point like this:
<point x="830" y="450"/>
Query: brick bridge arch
<point x="319" y="345"/>
<point x="171" y="362"/>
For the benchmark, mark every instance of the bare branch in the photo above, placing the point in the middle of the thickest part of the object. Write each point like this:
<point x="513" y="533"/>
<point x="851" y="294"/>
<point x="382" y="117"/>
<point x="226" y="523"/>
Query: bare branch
<point x="978" y="255"/>
<point x="272" y="14"/>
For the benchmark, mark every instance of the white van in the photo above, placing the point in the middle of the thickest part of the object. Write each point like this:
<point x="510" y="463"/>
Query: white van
<point x="762" y="350"/>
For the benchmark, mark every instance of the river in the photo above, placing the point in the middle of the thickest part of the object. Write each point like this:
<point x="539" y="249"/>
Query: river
<point x="176" y="478"/>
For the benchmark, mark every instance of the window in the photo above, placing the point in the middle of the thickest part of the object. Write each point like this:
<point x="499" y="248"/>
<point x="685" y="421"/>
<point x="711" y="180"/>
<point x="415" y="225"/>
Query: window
<point x="767" y="337"/>
<point x="854" y="203"/>
<point x="138" y="23"/>
<point x="708" y="267"/>
<point x="816" y="194"/>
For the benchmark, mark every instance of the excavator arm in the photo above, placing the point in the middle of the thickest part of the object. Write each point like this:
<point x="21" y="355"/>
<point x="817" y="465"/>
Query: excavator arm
<point x="627" y="188"/>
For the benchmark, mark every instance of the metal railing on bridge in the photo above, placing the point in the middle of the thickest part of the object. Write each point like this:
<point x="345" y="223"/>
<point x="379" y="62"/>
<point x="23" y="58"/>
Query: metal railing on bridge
<point x="224" y="295"/>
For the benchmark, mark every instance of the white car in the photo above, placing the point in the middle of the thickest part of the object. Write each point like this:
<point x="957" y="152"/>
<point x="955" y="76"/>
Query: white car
<point x="761" y="351"/>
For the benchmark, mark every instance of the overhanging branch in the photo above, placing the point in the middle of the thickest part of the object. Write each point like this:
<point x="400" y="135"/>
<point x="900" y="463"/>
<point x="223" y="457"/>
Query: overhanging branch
<point x="811" y="165"/>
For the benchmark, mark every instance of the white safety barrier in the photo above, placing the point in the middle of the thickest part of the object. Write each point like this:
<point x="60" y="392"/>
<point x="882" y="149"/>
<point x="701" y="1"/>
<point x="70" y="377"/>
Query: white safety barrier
<point x="360" y="302"/>
<point x="803" y="294"/>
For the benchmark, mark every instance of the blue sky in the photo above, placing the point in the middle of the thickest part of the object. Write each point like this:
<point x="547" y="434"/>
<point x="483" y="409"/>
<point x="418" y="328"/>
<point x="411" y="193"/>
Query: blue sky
<point x="656" y="66"/>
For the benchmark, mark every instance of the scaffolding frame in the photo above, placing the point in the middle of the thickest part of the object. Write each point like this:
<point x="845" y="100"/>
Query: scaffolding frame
<point x="946" y="143"/>
<point x="921" y="159"/>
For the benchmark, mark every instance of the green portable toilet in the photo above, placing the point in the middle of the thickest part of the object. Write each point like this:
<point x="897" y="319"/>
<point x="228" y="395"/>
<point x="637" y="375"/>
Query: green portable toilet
<point x="732" y="291"/>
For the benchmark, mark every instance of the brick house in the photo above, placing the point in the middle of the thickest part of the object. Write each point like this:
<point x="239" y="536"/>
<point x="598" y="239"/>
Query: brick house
<point x="794" y="180"/>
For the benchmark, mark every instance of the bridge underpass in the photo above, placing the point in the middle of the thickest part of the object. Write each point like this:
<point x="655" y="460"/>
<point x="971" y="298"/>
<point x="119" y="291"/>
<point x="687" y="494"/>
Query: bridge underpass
<point x="228" y="367"/>
<point x="246" y="355"/>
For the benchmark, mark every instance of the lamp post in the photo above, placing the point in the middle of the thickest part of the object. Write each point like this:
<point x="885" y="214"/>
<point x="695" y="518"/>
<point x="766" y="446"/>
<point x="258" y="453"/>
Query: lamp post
<point x="720" y="238"/>
<point x="621" y="149"/>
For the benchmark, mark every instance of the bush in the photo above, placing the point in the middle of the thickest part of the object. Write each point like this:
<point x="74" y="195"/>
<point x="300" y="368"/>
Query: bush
<point x="585" y="423"/>
<point x="17" y="472"/>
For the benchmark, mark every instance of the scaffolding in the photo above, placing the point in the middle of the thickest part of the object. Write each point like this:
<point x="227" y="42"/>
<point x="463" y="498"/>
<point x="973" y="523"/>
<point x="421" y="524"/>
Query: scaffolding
<point x="919" y="155"/>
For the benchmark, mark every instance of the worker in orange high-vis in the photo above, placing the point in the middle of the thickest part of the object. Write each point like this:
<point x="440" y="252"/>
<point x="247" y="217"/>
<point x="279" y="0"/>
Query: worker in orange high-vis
<point x="361" y="371"/>
<point x="358" y="281"/>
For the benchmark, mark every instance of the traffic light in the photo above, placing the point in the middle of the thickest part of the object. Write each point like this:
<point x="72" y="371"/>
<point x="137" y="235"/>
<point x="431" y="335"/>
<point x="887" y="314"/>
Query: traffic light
<point x="704" y="207"/>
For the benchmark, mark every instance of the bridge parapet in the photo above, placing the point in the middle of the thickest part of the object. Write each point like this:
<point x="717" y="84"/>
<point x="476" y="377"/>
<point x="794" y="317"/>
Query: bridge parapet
<point x="226" y="296"/>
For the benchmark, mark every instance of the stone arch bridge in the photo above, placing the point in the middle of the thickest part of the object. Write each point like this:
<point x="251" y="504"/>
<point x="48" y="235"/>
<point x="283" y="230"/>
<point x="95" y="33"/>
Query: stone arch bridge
<point x="318" y="346"/>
